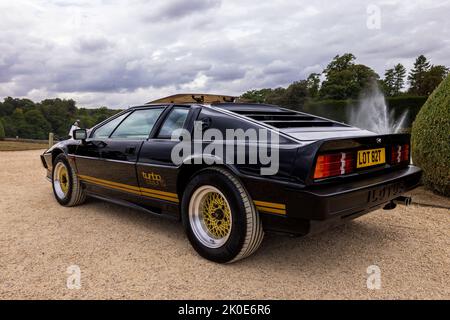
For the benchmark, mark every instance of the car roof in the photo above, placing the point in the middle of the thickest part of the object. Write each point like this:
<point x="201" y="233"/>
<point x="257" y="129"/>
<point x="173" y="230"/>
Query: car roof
<point x="234" y="106"/>
<point x="268" y="114"/>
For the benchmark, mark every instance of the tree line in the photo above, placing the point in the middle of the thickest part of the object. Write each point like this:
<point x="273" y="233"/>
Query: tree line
<point x="344" y="79"/>
<point x="24" y="118"/>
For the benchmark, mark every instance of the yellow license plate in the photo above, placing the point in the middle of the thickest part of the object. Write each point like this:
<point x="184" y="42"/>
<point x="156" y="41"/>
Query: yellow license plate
<point x="371" y="157"/>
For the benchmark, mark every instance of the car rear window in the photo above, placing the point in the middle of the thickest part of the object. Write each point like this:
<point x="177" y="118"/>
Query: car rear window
<point x="175" y="120"/>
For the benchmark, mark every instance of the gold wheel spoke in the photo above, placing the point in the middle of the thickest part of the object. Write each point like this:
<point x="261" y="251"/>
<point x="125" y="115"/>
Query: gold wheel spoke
<point x="216" y="214"/>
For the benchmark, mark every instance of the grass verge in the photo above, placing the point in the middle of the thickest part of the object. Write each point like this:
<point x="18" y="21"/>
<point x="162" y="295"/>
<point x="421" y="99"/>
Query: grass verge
<point x="21" y="146"/>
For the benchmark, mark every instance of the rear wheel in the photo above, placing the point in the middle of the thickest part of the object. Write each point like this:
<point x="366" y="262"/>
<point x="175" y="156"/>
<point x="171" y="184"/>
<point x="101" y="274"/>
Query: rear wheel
<point x="66" y="185"/>
<point x="219" y="217"/>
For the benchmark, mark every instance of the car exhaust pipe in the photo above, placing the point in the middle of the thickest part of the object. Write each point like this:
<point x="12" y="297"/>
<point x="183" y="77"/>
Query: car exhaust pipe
<point x="403" y="200"/>
<point x="390" y="206"/>
<point x="406" y="201"/>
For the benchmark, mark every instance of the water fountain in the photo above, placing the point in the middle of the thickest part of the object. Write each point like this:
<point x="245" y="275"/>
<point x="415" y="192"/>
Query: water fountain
<point x="372" y="113"/>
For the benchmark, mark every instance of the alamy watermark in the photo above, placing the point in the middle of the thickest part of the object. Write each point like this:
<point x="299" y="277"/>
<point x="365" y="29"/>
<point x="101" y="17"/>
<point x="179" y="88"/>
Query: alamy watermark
<point x="74" y="278"/>
<point x="373" y="21"/>
<point x="374" y="277"/>
<point x="235" y="146"/>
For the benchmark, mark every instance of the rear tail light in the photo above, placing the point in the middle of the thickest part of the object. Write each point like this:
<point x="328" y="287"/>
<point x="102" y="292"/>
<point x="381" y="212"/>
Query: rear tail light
<point x="400" y="154"/>
<point x="336" y="164"/>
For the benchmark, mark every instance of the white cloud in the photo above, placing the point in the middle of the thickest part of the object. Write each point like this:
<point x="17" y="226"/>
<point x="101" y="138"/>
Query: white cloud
<point x="119" y="53"/>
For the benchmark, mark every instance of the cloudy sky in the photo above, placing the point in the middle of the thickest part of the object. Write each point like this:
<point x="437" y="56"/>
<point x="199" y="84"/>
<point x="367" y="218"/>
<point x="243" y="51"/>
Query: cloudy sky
<point x="121" y="53"/>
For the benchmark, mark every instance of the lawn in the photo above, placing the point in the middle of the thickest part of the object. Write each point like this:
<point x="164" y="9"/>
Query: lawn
<point x="20" y="146"/>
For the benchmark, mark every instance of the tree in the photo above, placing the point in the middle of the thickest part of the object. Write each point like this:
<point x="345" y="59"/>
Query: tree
<point x="424" y="77"/>
<point x="389" y="82"/>
<point x="21" y="127"/>
<point x="344" y="79"/>
<point x="277" y="96"/>
<point x="417" y="75"/>
<point x="394" y="80"/>
<point x="26" y="119"/>
<point x="296" y="94"/>
<point x="399" y="78"/>
<point x="38" y="125"/>
<point x="2" y="130"/>
<point x="313" y="84"/>
<point x="433" y="77"/>
<point x="256" y="96"/>
<point x="340" y="63"/>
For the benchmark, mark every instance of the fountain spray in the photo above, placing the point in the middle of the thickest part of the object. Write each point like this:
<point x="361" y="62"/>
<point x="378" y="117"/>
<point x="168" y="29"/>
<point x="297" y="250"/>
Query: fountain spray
<point x="372" y="113"/>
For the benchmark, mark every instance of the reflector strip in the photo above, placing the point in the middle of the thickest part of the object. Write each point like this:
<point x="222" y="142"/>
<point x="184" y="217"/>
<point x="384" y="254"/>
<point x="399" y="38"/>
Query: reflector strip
<point x="342" y="162"/>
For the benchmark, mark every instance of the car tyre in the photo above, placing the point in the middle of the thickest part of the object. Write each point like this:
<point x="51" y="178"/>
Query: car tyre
<point x="67" y="187"/>
<point x="219" y="217"/>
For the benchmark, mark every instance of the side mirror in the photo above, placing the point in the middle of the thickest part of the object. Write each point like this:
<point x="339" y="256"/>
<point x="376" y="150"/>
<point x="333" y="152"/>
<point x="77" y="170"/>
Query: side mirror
<point x="80" y="134"/>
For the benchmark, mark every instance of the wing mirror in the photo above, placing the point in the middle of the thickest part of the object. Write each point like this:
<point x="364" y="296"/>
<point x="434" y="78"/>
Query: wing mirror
<point x="80" y="134"/>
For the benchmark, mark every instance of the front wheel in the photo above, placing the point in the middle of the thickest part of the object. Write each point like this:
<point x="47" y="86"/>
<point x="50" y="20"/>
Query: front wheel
<point x="67" y="187"/>
<point x="219" y="217"/>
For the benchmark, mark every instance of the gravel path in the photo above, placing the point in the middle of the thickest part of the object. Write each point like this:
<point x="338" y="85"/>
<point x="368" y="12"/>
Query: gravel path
<point x="124" y="253"/>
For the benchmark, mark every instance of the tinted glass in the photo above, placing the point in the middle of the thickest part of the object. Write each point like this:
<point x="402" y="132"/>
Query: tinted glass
<point x="105" y="130"/>
<point x="174" y="121"/>
<point x="138" y="125"/>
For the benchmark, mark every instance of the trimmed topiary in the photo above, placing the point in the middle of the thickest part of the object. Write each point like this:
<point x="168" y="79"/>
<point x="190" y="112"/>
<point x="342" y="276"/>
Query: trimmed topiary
<point x="431" y="139"/>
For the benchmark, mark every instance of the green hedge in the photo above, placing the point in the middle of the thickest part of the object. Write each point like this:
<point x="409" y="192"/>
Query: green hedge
<point x="431" y="139"/>
<point x="340" y="110"/>
<point x="2" y="130"/>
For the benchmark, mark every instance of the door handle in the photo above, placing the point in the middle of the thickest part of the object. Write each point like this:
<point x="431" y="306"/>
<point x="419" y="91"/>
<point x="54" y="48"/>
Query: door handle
<point x="130" y="150"/>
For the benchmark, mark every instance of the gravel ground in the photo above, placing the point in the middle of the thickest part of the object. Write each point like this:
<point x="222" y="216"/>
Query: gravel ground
<point x="124" y="253"/>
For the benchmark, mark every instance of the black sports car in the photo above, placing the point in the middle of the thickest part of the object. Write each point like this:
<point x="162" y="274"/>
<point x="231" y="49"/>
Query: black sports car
<point x="326" y="172"/>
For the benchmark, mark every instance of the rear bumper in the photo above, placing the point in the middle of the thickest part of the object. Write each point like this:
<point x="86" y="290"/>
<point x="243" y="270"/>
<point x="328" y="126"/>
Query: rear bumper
<point x="317" y="208"/>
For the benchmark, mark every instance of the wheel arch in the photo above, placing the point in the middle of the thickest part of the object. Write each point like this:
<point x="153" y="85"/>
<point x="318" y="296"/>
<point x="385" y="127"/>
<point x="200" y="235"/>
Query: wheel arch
<point x="189" y="168"/>
<point x="56" y="152"/>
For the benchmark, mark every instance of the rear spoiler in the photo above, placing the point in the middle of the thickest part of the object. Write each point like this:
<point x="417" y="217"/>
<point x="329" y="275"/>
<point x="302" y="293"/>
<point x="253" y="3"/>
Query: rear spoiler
<point x="195" y="98"/>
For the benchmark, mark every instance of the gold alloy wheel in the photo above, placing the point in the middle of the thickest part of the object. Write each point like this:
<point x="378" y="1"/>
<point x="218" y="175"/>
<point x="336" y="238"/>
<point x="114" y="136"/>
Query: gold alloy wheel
<point x="216" y="214"/>
<point x="61" y="180"/>
<point x="64" y="180"/>
<point x="210" y="216"/>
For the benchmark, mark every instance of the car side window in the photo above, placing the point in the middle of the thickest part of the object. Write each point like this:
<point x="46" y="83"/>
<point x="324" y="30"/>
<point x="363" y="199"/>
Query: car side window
<point x="105" y="131"/>
<point x="138" y="125"/>
<point x="175" y="120"/>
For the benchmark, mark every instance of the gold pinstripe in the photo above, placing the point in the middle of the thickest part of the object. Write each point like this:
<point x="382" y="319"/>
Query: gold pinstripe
<point x="151" y="193"/>
<point x="263" y="206"/>
<point x="270" y="204"/>
<point x="271" y="210"/>
<point x="127" y="186"/>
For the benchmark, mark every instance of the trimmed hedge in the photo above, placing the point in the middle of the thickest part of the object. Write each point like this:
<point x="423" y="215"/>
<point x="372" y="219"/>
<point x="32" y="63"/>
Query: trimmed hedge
<point x="431" y="139"/>
<point x="2" y="130"/>
<point x="340" y="110"/>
